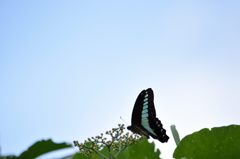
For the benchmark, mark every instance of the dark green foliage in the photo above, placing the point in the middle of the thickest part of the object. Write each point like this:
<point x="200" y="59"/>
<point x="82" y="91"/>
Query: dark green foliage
<point x="108" y="145"/>
<point x="116" y="145"/>
<point x="80" y="156"/>
<point x="42" y="147"/>
<point x="9" y="157"/>
<point x="217" y="143"/>
<point x="37" y="149"/>
<point x="142" y="149"/>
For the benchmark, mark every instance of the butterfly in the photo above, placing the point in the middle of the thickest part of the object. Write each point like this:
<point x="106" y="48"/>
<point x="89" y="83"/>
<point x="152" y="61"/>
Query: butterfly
<point x="144" y="120"/>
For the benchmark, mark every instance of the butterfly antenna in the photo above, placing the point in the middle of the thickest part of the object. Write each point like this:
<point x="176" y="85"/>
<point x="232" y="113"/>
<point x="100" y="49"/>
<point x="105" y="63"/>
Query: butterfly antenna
<point x="123" y="120"/>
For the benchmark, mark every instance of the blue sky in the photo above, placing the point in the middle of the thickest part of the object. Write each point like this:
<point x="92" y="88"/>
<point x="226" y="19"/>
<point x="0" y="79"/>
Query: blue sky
<point x="70" y="69"/>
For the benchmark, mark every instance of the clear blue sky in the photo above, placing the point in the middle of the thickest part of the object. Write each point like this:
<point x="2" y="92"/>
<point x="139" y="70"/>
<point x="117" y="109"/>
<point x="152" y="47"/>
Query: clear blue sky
<point x="70" y="69"/>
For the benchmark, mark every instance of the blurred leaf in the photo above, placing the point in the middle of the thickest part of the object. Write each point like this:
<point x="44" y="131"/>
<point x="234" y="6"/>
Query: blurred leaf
<point x="42" y="147"/>
<point x="83" y="156"/>
<point x="140" y="150"/>
<point x="93" y="155"/>
<point x="79" y="156"/>
<point x="219" y="143"/>
<point x="9" y="157"/>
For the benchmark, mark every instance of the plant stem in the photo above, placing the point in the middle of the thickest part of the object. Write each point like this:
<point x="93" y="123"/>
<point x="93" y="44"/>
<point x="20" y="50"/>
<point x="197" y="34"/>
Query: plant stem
<point x="175" y="134"/>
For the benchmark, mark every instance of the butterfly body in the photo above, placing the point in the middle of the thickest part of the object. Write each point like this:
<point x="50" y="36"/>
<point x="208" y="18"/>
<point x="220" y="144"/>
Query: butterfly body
<point x="144" y="120"/>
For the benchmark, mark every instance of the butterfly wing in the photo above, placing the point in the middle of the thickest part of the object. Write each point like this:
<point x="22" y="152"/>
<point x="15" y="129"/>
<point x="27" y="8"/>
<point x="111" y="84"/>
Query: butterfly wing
<point x="136" y="126"/>
<point x="154" y="124"/>
<point x="144" y="120"/>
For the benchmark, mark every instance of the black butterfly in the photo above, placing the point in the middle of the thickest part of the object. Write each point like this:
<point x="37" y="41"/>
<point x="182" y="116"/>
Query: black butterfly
<point x="144" y="120"/>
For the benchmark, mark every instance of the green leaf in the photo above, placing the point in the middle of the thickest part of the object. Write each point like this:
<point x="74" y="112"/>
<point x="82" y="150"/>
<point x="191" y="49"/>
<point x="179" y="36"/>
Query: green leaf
<point x="42" y="147"/>
<point x="9" y="157"/>
<point x="217" y="143"/>
<point x="83" y="156"/>
<point x="79" y="156"/>
<point x="140" y="150"/>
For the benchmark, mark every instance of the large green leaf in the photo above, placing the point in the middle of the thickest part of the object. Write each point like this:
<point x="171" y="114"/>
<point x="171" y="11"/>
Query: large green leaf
<point x="140" y="150"/>
<point x="42" y="147"/>
<point x="217" y="143"/>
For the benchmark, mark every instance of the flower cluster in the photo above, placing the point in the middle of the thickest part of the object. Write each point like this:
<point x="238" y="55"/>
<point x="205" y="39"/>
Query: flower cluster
<point x="114" y="141"/>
